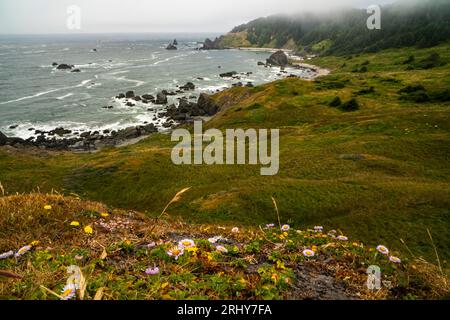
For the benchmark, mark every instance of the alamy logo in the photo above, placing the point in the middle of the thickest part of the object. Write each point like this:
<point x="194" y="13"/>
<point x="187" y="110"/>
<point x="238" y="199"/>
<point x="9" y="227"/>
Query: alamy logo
<point x="237" y="147"/>
<point x="374" y="21"/>
<point x="73" y="21"/>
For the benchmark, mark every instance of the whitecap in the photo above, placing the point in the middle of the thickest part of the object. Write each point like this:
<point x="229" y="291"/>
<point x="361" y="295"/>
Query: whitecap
<point x="65" y="96"/>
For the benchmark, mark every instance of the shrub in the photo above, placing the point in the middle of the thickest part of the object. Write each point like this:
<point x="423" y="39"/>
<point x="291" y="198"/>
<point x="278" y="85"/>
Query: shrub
<point x="336" y="102"/>
<point x="351" y="105"/>
<point x="412" y="88"/>
<point x="365" y="91"/>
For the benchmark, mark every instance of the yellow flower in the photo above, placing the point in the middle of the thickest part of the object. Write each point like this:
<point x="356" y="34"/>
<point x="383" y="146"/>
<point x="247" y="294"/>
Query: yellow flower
<point x="192" y="249"/>
<point x="314" y="248"/>
<point x="165" y="284"/>
<point x="48" y="207"/>
<point x="274" y="277"/>
<point x="75" y="224"/>
<point x="88" y="230"/>
<point x="104" y="215"/>
<point x="34" y="243"/>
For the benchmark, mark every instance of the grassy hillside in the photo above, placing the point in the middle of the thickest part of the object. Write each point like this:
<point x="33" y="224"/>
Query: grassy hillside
<point x="420" y="23"/>
<point x="380" y="173"/>
<point x="125" y="255"/>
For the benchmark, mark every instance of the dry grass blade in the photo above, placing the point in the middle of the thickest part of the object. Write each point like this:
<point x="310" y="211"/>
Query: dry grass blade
<point x="176" y="198"/>
<point x="83" y="285"/>
<point x="99" y="294"/>
<point x="103" y="255"/>
<point x="9" y="274"/>
<point x="2" y="189"/>
<point x="436" y="252"/>
<point x="276" y="209"/>
<point x="51" y="292"/>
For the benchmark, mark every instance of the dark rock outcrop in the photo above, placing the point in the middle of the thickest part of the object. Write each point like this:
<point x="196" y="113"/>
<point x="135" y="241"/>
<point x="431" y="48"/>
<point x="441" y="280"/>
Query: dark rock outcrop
<point x="188" y="86"/>
<point x="228" y="74"/>
<point x="213" y="45"/>
<point x="129" y="94"/>
<point x="64" y="66"/>
<point x="171" y="47"/>
<point x="279" y="59"/>
<point x="3" y="139"/>
<point x="161" y="98"/>
<point x="206" y="103"/>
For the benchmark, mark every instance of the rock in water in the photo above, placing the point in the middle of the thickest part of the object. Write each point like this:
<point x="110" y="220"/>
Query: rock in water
<point x="188" y="86"/>
<point x="129" y="94"/>
<point x="171" y="47"/>
<point x="228" y="74"/>
<point x="175" y="42"/>
<point x="3" y="139"/>
<point x="213" y="45"/>
<point x="161" y="98"/>
<point x="64" y="66"/>
<point x="279" y="58"/>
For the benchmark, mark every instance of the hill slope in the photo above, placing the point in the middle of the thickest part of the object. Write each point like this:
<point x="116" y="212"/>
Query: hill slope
<point x="380" y="173"/>
<point x="116" y="254"/>
<point x="422" y="24"/>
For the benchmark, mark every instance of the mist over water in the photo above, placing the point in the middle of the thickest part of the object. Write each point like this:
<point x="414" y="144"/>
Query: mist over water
<point x="36" y="96"/>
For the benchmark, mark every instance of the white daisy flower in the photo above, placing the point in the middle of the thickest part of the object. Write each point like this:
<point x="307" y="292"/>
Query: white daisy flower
<point x="382" y="249"/>
<point x="221" y="249"/>
<point x="186" y="243"/>
<point x="6" y="255"/>
<point x="22" y="251"/>
<point x="68" y="292"/>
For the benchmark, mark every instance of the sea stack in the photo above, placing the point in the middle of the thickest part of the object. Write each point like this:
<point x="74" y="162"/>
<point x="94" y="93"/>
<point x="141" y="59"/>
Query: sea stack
<point x="279" y="59"/>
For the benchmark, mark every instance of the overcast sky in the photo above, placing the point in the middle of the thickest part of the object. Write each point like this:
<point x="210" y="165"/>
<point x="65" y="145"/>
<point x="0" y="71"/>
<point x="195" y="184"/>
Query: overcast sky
<point x="99" y="16"/>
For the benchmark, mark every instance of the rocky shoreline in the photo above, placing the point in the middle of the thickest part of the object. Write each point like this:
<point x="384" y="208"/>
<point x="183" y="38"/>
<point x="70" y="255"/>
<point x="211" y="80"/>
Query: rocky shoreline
<point x="181" y="112"/>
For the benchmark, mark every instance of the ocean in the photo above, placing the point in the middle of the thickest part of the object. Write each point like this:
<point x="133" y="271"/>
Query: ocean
<point x="34" y="95"/>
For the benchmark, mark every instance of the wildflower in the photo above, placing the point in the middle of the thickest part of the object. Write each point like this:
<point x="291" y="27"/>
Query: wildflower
<point x="88" y="230"/>
<point x="342" y="238"/>
<point x="152" y="271"/>
<point x="214" y="239"/>
<point x="34" y="243"/>
<point x="22" y="251"/>
<point x="221" y="249"/>
<point x="75" y="224"/>
<point x="395" y="260"/>
<point x="175" y="252"/>
<point x="186" y="243"/>
<point x="383" y="250"/>
<point x="274" y="277"/>
<point x="270" y="226"/>
<point x="318" y="228"/>
<point x="151" y="245"/>
<point x="6" y="255"/>
<point x="104" y="215"/>
<point x="48" y="207"/>
<point x="68" y="292"/>
<point x="308" y="253"/>
<point x="235" y="230"/>
<point x="285" y="228"/>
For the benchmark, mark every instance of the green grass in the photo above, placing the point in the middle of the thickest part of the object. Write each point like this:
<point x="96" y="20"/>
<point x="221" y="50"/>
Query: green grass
<point x="399" y="188"/>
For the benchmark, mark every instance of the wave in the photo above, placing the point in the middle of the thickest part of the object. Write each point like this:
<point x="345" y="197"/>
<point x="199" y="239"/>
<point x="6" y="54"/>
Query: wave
<point x="83" y="83"/>
<point x="65" y="96"/>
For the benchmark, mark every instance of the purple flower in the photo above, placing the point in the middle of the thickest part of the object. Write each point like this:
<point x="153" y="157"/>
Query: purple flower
<point x="152" y="271"/>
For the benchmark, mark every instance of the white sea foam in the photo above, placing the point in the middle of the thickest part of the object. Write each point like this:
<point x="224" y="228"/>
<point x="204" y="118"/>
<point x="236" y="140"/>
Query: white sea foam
<point x="65" y="96"/>
<point x="46" y="92"/>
